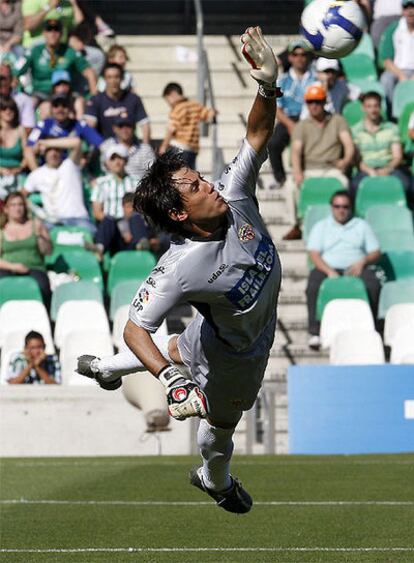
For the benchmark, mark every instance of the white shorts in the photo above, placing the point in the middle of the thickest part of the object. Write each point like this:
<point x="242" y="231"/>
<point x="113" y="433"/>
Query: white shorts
<point x="230" y="379"/>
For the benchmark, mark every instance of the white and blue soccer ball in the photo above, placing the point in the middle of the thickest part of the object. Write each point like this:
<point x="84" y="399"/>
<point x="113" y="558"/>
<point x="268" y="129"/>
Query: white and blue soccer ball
<point x="332" y="29"/>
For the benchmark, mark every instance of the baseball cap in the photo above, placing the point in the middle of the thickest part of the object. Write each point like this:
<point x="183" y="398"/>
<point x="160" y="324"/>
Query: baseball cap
<point x="315" y="92"/>
<point x="117" y="149"/>
<point x="297" y="44"/>
<point x="52" y="24"/>
<point x="323" y="64"/>
<point x="125" y="120"/>
<point x="60" y="76"/>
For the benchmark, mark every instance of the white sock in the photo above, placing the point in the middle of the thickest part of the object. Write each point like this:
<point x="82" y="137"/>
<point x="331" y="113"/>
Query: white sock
<point x="126" y="362"/>
<point x="216" y="447"/>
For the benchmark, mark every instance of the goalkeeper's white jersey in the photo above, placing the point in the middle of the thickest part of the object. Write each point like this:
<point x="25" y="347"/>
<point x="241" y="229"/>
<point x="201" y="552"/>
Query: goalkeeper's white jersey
<point x="232" y="280"/>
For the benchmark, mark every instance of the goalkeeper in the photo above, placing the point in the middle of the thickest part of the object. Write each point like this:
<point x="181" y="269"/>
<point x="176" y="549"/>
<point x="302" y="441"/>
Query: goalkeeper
<point x="222" y="261"/>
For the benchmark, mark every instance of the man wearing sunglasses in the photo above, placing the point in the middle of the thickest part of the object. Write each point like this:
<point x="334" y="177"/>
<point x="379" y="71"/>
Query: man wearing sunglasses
<point x="44" y="58"/>
<point x="340" y="245"/>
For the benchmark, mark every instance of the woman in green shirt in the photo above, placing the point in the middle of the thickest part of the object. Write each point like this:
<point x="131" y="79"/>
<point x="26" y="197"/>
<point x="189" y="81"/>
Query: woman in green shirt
<point x="23" y="243"/>
<point x="12" y="141"/>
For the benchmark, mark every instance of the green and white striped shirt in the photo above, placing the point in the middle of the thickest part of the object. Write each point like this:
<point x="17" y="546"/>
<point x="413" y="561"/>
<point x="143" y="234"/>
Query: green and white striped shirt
<point x="109" y="190"/>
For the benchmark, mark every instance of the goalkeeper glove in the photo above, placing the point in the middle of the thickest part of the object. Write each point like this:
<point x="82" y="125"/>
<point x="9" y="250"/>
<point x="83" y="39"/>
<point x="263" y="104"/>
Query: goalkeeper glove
<point x="259" y="54"/>
<point x="185" y="399"/>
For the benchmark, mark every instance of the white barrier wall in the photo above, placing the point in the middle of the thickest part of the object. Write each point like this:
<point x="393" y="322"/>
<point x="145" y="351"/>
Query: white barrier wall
<point x="52" y="420"/>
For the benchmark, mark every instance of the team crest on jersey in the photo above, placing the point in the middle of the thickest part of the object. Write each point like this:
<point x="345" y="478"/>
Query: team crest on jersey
<point x="246" y="233"/>
<point x="143" y="296"/>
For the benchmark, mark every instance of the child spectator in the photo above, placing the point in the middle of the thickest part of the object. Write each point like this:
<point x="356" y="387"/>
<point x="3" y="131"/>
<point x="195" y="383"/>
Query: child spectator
<point x="118" y="55"/>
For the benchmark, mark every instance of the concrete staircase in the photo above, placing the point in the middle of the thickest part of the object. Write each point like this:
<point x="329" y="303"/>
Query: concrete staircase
<point x="155" y="60"/>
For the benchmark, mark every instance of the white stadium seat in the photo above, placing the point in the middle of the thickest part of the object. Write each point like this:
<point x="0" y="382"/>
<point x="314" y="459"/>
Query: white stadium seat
<point x="20" y="317"/>
<point x="120" y="320"/>
<point x="82" y="341"/>
<point x="396" y="317"/>
<point x="344" y="314"/>
<point x="80" y="315"/>
<point x="402" y="351"/>
<point x="357" y="347"/>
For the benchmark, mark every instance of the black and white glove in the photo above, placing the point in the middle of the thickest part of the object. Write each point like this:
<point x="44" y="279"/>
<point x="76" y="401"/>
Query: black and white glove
<point x="185" y="398"/>
<point x="259" y="54"/>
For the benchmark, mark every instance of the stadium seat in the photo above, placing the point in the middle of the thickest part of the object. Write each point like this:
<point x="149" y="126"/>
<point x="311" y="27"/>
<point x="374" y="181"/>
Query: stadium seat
<point x="365" y="47"/>
<point x="403" y="94"/>
<point x="120" y="320"/>
<point x="398" y="265"/>
<point x="357" y="347"/>
<point x="344" y="314"/>
<point x="19" y="288"/>
<point x="394" y="292"/>
<point x="73" y="315"/>
<point x="122" y="294"/>
<point x="314" y="214"/>
<point x="386" y="217"/>
<point x="396" y="317"/>
<point x="402" y="351"/>
<point x="82" y="262"/>
<point x="344" y="287"/>
<point x="403" y="125"/>
<point x="316" y="191"/>
<point x="74" y="291"/>
<point x="129" y="265"/>
<point x="67" y="238"/>
<point x="379" y="190"/>
<point x="359" y="66"/>
<point x="22" y="316"/>
<point x="82" y="341"/>
<point x="353" y="112"/>
<point x="396" y="240"/>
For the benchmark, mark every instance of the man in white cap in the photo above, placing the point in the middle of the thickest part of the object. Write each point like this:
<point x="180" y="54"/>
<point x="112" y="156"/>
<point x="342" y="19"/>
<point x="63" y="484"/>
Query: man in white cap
<point x="339" y="91"/>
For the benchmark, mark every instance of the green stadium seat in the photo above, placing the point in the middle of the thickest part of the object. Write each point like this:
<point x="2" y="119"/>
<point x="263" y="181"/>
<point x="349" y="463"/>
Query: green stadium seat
<point x="122" y="294"/>
<point x="395" y="240"/>
<point x="365" y="47"/>
<point x="129" y="265"/>
<point x="359" y="67"/>
<point x="403" y="120"/>
<point x="74" y="291"/>
<point x="344" y="287"/>
<point x="67" y="238"/>
<point x="379" y="190"/>
<point x="397" y="264"/>
<point x="387" y="217"/>
<point x="314" y="214"/>
<point x="316" y="191"/>
<point x="403" y="95"/>
<point x="81" y="262"/>
<point x="353" y="112"/>
<point x="18" y="288"/>
<point x="395" y="292"/>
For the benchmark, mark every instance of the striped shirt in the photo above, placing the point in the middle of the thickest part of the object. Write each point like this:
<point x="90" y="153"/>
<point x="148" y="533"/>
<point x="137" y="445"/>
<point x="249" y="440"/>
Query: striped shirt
<point x="375" y="147"/>
<point x="18" y="363"/>
<point x="184" y="119"/>
<point x="140" y="157"/>
<point x="109" y="190"/>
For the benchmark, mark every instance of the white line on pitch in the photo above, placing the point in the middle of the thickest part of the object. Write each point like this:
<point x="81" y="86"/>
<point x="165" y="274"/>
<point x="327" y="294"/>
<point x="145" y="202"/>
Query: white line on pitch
<point x="207" y="503"/>
<point x="211" y="549"/>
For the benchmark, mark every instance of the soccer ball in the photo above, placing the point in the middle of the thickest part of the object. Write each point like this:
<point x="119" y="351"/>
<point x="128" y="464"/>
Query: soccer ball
<point x="332" y="29"/>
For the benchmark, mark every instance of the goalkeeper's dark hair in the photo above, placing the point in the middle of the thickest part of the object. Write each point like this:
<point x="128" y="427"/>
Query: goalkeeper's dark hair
<point x="157" y="195"/>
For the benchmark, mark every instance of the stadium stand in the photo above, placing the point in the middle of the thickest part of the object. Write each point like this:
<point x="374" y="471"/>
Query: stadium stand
<point x="74" y="291"/>
<point x="357" y="347"/>
<point x="397" y="317"/>
<point x="345" y="287"/>
<point x="394" y="292"/>
<point x="344" y="315"/>
<point x="379" y="190"/>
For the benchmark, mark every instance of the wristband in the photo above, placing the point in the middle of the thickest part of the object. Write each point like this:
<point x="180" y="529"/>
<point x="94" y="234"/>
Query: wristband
<point x="169" y="374"/>
<point x="269" y="91"/>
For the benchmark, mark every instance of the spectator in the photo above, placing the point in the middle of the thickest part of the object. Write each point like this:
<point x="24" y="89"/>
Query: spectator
<point x="33" y="365"/>
<point x="103" y="109"/>
<point x="44" y="58"/>
<point x="378" y="144"/>
<point x="396" y="51"/>
<point x="140" y="155"/>
<point x="385" y="12"/>
<point x="60" y="183"/>
<point x="24" y="102"/>
<point x="338" y="90"/>
<point x="80" y="39"/>
<point x="118" y="55"/>
<point x="11" y="30"/>
<point x="183" y="130"/>
<point x="293" y="85"/>
<point x="60" y="125"/>
<point x="23" y="243"/>
<point x="36" y="12"/>
<point x="12" y="141"/>
<point x="61" y="85"/>
<point x="340" y="245"/>
<point x="321" y="146"/>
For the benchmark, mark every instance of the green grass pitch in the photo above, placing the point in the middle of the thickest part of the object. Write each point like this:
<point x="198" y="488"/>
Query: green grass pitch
<point x="111" y="510"/>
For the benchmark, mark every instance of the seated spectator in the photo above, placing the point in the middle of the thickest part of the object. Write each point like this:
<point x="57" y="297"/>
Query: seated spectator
<point x="118" y="55"/>
<point x="385" y="12"/>
<point x="44" y="58"/>
<point x="103" y="109"/>
<point x="61" y="86"/>
<point x="338" y="90"/>
<point x="59" y="181"/>
<point x="36" y="12"/>
<point x="24" y="102"/>
<point x="23" y="244"/>
<point x="321" y="146"/>
<point x="140" y="155"/>
<point x="379" y="150"/>
<point x="82" y="41"/>
<point x="11" y="30"/>
<point x="60" y="125"/>
<point x="12" y="141"/>
<point x="396" y="50"/>
<point x="33" y="365"/>
<point x="183" y="130"/>
<point x="293" y="84"/>
<point x="340" y="245"/>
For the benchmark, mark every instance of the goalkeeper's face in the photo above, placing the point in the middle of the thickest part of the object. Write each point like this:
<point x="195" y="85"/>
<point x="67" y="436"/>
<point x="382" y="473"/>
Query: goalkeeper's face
<point x="202" y="203"/>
